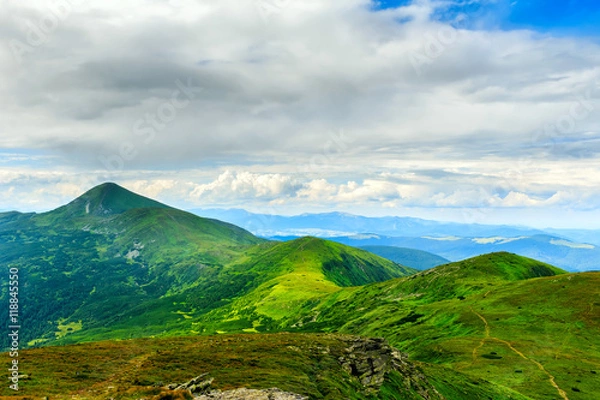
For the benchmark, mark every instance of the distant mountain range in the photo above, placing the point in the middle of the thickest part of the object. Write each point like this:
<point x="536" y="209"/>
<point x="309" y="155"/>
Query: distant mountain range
<point x="343" y="224"/>
<point x="113" y="265"/>
<point x="573" y="250"/>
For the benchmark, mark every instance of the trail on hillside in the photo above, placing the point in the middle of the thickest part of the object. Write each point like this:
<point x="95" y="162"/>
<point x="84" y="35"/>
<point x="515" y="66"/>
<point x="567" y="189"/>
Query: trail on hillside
<point x="488" y="336"/>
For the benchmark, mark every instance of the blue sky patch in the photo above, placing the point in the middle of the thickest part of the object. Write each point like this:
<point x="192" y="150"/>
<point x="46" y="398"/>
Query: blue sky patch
<point x="574" y="17"/>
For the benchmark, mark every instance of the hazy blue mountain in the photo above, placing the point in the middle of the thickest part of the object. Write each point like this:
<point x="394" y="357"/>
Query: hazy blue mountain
<point x="343" y="224"/>
<point x="574" y="250"/>
<point x="561" y="252"/>
<point x="578" y="235"/>
<point x="413" y="258"/>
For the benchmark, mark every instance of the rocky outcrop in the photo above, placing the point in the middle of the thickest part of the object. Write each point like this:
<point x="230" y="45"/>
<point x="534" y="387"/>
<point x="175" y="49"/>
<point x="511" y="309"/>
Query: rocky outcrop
<point x="370" y="360"/>
<point x="199" y="388"/>
<point x="414" y="378"/>
<point x="251" y="394"/>
<point x="197" y="385"/>
<point x="178" y="393"/>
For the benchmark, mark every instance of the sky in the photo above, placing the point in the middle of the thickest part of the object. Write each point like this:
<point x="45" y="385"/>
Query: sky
<point x="462" y="110"/>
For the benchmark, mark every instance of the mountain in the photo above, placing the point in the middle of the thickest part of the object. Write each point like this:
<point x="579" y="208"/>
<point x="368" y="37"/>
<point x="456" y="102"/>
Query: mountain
<point x="265" y="285"/>
<point x="566" y="254"/>
<point x="112" y="259"/>
<point x="496" y="326"/>
<point x="343" y="224"/>
<point x="81" y="268"/>
<point x="591" y="236"/>
<point x="417" y="259"/>
<point x="104" y="200"/>
<point x="574" y="250"/>
<point x="309" y="269"/>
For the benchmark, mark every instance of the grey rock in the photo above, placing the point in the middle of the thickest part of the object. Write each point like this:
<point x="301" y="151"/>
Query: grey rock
<point x="200" y="388"/>
<point x="370" y="360"/>
<point x="250" y="394"/>
<point x="197" y="385"/>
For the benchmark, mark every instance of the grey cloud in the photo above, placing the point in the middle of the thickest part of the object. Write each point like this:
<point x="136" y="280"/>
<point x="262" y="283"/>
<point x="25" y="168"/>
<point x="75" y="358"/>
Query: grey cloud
<point x="272" y="93"/>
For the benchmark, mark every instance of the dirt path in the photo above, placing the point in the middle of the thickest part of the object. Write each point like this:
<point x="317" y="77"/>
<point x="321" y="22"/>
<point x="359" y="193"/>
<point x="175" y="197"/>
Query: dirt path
<point x="488" y="336"/>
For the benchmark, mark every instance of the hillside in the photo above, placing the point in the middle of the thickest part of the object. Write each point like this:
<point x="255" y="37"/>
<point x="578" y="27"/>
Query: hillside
<point x="413" y="258"/>
<point x="516" y="322"/>
<point x="82" y="269"/>
<point x="497" y="326"/>
<point x="111" y="263"/>
<point x="268" y="283"/>
<point x="311" y="269"/>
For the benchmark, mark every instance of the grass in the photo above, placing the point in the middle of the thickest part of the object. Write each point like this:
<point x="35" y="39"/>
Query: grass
<point x="265" y="285"/>
<point x="65" y="329"/>
<point x="304" y="364"/>
<point x="535" y="336"/>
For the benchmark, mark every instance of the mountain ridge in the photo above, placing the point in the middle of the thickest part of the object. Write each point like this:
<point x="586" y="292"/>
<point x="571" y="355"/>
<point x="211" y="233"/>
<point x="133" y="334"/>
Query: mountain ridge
<point x="91" y="262"/>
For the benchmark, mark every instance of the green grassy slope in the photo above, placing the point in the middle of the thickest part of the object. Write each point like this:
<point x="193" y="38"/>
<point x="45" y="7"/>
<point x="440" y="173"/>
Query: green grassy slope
<point x="414" y="258"/>
<point x="497" y="326"/>
<point x="310" y="269"/>
<point x="85" y="269"/>
<point x="268" y="283"/>
<point x="518" y="323"/>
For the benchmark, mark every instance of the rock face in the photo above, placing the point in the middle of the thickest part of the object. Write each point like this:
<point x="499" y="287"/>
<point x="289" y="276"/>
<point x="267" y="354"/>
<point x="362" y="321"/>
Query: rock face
<point x="370" y="360"/>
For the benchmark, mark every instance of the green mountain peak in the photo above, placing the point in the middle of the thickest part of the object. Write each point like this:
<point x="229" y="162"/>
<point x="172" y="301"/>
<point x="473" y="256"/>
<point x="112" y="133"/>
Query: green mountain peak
<point x="105" y="200"/>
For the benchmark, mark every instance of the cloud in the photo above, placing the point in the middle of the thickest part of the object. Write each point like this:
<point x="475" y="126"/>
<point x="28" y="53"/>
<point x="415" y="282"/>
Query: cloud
<point x="245" y="185"/>
<point x="440" y="113"/>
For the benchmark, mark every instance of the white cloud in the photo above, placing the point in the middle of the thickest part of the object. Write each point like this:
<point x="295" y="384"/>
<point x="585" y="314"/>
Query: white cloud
<point x="245" y="185"/>
<point x="491" y="119"/>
